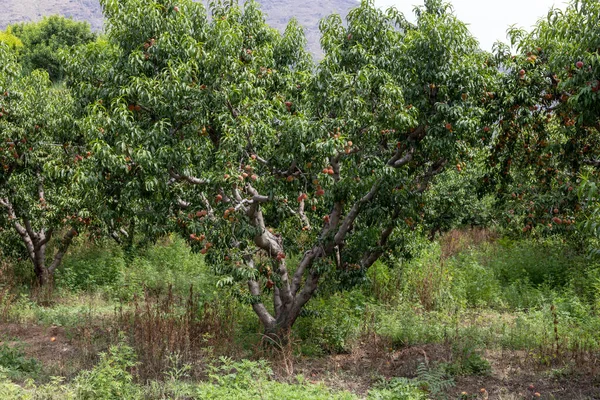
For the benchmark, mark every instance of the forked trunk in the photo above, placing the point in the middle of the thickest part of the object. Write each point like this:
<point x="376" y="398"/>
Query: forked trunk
<point x="36" y="240"/>
<point x="42" y="273"/>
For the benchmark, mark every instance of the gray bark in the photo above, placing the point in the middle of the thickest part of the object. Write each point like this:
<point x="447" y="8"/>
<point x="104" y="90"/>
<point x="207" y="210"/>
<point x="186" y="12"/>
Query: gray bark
<point x="36" y="242"/>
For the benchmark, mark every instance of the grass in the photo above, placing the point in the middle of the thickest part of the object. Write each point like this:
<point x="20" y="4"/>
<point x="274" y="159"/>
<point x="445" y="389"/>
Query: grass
<point x="469" y="305"/>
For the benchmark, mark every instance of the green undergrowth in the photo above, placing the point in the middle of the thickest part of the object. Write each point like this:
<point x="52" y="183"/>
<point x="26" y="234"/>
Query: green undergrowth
<point x="112" y="378"/>
<point x="106" y="268"/>
<point x="532" y="295"/>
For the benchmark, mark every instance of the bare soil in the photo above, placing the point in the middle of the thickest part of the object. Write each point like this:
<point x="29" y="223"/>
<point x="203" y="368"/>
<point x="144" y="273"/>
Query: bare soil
<point x="514" y="374"/>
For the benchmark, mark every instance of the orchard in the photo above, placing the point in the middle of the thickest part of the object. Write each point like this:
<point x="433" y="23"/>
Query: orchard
<point x="287" y="173"/>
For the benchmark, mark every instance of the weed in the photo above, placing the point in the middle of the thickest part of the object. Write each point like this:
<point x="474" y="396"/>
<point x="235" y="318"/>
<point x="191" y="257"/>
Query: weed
<point x="111" y="379"/>
<point x="15" y="364"/>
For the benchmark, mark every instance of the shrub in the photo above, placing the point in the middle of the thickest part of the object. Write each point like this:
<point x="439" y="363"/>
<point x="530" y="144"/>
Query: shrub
<point x="110" y="379"/>
<point x="331" y="322"/>
<point x="91" y="267"/>
<point x="169" y="263"/>
<point x="429" y="383"/>
<point x="252" y="379"/>
<point x="473" y="284"/>
<point x="427" y="280"/>
<point x="541" y="262"/>
<point x="405" y="325"/>
<point x="15" y="364"/>
<point x="397" y="389"/>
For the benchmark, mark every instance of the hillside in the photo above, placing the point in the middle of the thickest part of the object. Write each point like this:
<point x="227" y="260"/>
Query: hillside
<point x="278" y="12"/>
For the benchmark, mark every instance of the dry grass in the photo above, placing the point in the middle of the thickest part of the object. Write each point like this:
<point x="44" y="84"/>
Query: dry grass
<point x="456" y="240"/>
<point x="165" y="328"/>
<point x="7" y="295"/>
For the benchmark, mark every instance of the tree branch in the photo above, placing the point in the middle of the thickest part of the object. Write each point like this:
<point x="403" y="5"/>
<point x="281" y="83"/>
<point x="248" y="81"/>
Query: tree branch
<point x="400" y="159"/>
<point x="12" y="216"/>
<point x="303" y="217"/>
<point x="351" y="216"/>
<point x="188" y="179"/>
<point x="268" y="242"/>
<point x="369" y="259"/>
<point x="182" y="203"/>
<point x="318" y="250"/>
<point x="62" y="250"/>
<point x="41" y="187"/>
<point x="46" y="237"/>
<point x="259" y="308"/>
<point x="593" y="162"/>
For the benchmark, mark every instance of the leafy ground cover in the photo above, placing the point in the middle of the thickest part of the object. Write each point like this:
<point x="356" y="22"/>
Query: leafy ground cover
<point x="461" y="320"/>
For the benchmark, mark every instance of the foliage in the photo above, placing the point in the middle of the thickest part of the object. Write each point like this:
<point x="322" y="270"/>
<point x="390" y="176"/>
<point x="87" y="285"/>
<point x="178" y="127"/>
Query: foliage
<point x="548" y="132"/>
<point x="42" y="41"/>
<point x="217" y="127"/>
<point x="429" y="383"/>
<point x="50" y="391"/>
<point x="40" y="195"/>
<point x="10" y="40"/>
<point x="170" y="262"/>
<point x="456" y="199"/>
<point x="92" y="266"/>
<point x="105" y="266"/>
<point x="15" y="364"/>
<point x="250" y="379"/>
<point x="111" y="378"/>
<point x="467" y="359"/>
<point x="590" y="195"/>
<point x="398" y="389"/>
<point x="331" y="322"/>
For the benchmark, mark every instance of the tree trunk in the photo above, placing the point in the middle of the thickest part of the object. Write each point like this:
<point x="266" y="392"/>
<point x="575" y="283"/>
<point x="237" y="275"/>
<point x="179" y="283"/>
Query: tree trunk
<point x="42" y="274"/>
<point x="36" y="241"/>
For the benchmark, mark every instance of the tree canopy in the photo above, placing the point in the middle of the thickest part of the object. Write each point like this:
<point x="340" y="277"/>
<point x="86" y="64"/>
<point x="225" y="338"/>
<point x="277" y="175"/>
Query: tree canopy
<point x="41" y="42"/>
<point x="39" y="194"/>
<point x="260" y="156"/>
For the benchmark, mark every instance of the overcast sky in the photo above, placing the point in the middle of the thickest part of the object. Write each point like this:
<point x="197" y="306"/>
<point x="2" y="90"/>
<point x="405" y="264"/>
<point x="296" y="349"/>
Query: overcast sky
<point x="488" y="20"/>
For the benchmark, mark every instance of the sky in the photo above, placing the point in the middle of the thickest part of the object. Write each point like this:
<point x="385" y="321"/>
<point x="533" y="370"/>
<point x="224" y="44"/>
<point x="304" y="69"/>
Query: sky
<point x="488" y="20"/>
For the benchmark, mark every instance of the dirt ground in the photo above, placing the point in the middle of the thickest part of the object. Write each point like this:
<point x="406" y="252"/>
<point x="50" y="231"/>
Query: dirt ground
<point x="514" y="375"/>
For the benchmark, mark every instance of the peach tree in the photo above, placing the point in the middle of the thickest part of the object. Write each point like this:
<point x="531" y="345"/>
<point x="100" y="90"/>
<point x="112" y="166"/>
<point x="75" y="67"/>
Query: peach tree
<point x="548" y="111"/>
<point x="40" y="197"/>
<point x="284" y="173"/>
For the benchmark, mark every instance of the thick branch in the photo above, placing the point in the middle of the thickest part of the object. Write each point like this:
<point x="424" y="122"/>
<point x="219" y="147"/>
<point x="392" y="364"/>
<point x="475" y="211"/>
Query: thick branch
<point x="29" y="229"/>
<point x="593" y="162"/>
<point x="268" y="242"/>
<point x="116" y="237"/>
<point x="45" y="238"/>
<point x="182" y="203"/>
<point x="400" y="158"/>
<point x="306" y="262"/>
<point x="369" y="259"/>
<point x="318" y="250"/>
<point x="188" y="179"/>
<point x="305" y="294"/>
<point x="12" y="216"/>
<point x="435" y="169"/>
<point x="303" y="217"/>
<point x="62" y="250"/>
<point x="351" y="216"/>
<point x="259" y="308"/>
<point x="41" y="187"/>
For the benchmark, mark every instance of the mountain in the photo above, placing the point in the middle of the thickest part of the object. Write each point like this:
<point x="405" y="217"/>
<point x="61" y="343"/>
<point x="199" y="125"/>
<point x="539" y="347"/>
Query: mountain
<point x="278" y="13"/>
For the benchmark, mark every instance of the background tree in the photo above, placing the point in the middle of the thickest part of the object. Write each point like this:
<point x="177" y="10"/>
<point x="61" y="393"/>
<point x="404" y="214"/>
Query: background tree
<point x="40" y="198"/>
<point x="549" y="124"/>
<point x="43" y="40"/>
<point x="457" y="199"/>
<point x="10" y="40"/>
